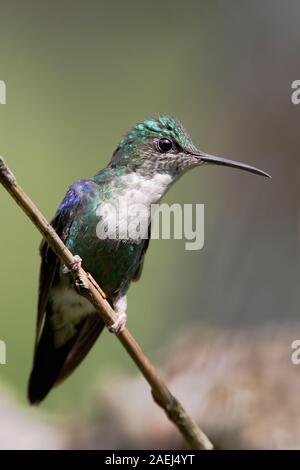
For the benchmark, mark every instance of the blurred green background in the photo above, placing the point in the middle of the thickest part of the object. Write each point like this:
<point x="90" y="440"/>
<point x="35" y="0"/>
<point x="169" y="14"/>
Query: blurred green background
<point x="78" y="76"/>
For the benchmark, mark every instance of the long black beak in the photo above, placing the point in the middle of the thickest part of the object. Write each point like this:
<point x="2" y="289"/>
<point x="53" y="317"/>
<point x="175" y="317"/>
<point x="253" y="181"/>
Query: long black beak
<point x="206" y="158"/>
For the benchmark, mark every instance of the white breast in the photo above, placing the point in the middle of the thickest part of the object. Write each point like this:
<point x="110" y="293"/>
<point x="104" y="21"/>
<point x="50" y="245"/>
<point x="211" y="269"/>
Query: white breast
<point x="131" y="209"/>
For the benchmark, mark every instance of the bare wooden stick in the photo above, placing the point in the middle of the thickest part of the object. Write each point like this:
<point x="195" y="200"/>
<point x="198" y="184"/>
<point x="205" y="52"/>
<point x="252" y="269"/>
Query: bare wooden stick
<point x="88" y="288"/>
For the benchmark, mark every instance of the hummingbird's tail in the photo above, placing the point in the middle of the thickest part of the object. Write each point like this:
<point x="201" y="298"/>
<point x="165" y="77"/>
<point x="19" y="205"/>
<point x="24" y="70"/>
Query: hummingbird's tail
<point x="52" y="364"/>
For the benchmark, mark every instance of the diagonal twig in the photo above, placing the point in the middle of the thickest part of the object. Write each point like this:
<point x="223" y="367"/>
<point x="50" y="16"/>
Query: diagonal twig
<point x="87" y="287"/>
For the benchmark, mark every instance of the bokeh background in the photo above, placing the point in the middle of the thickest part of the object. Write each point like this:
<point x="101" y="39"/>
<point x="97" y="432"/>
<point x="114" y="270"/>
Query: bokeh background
<point x="78" y="76"/>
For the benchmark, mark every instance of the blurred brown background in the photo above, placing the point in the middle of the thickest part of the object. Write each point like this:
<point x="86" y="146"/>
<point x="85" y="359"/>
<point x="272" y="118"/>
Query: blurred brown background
<point x="78" y="75"/>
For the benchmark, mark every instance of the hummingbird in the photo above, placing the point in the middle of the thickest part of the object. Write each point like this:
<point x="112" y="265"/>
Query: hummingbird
<point x="147" y="162"/>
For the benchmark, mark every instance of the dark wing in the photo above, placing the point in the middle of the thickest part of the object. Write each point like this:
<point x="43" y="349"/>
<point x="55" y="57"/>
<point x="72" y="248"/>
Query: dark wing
<point x="49" y="265"/>
<point x="89" y="331"/>
<point x="51" y="365"/>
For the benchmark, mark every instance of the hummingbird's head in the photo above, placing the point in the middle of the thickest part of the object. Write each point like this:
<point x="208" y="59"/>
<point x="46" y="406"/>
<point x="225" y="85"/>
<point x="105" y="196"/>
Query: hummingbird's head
<point x="162" y="145"/>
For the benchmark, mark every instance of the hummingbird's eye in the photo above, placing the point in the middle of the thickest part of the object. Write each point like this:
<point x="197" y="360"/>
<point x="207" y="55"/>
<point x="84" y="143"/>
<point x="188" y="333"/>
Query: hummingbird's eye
<point x="164" y="145"/>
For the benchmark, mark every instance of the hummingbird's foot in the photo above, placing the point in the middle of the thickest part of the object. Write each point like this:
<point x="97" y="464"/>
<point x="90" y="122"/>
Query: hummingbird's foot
<point x="120" y="308"/>
<point x="119" y="324"/>
<point x="75" y="266"/>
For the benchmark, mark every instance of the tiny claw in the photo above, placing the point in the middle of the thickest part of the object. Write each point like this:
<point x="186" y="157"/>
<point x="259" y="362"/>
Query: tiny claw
<point x="119" y="324"/>
<point x="75" y="266"/>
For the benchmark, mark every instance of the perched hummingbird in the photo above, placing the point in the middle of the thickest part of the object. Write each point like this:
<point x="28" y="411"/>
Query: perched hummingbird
<point x="148" y="160"/>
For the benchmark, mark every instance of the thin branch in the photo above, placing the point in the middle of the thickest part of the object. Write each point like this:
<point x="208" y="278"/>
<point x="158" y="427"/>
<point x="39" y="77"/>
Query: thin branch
<point x="87" y="287"/>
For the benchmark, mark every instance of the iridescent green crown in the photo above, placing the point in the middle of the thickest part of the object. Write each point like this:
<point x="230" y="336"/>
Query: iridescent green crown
<point x="164" y="126"/>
